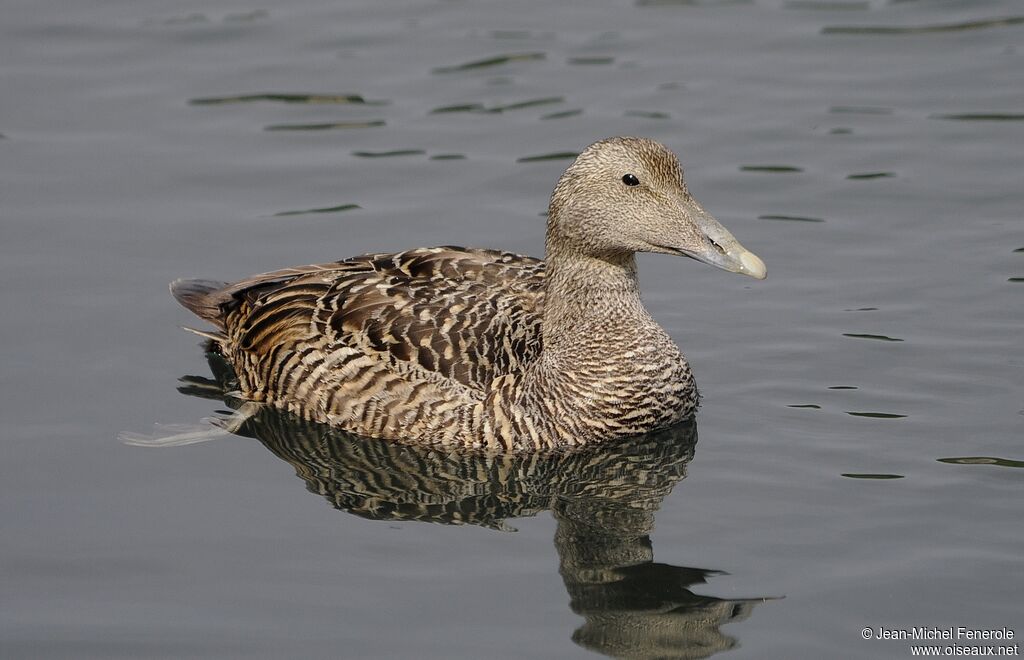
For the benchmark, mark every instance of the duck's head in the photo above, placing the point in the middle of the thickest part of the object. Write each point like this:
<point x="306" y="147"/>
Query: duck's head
<point x="625" y="195"/>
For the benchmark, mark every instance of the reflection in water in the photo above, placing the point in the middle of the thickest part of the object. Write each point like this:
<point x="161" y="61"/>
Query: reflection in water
<point x="603" y="501"/>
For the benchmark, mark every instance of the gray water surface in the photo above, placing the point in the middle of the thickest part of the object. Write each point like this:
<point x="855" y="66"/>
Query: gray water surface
<point x="860" y="443"/>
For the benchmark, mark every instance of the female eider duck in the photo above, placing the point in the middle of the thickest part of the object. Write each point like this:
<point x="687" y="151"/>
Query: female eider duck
<point x="460" y="347"/>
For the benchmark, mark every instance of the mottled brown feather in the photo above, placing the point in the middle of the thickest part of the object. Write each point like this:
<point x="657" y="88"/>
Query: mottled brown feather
<point x="444" y="346"/>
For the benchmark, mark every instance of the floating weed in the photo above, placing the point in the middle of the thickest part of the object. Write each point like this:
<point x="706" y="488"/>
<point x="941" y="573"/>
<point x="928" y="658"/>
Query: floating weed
<point x="980" y="116"/>
<point x="865" y="176"/>
<point x="876" y="415"/>
<point x="488" y="62"/>
<point x="326" y="209"/>
<point x="982" y="460"/>
<point x="781" y="169"/>
<point x="867" y="336"/>
<point x="448" y="157"/>
<point x="336" y="125"/>
<point x="563" y="114"/>
<point x="557" y="155"/>
<point x="388" y="154"/>
<point x="790" y="218"/>
<point x="311" y="99"/>
<point x="862" y="309"/>
<point x="870" y="475"/>
<point x="841" y="131"/>
<point x="842" y="387"/>
<point x="922" y="29"/>
<point x="804" y="405"/>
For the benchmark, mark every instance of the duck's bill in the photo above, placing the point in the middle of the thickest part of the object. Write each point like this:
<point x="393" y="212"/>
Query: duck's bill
<point x="703" y="238"/>
<point x="734" y="258"/>
<point x="719" y="248"/>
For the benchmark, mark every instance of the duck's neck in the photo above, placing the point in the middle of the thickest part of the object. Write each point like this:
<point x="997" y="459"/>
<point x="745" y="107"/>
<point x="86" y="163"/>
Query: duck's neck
<point x="585" y="294"/>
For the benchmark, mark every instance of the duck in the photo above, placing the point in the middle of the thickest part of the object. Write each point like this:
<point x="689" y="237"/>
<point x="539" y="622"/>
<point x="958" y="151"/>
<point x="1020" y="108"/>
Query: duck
<point x="471" y="348"/>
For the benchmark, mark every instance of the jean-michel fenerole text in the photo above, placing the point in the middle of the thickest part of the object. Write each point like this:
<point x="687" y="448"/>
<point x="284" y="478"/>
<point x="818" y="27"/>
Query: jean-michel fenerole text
<point x="951" y="632"/>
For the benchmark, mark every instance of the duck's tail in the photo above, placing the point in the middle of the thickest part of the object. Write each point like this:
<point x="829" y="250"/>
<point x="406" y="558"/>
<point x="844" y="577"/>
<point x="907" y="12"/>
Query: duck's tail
<point x="177" y="435"/>
<point x="204" y="298"/>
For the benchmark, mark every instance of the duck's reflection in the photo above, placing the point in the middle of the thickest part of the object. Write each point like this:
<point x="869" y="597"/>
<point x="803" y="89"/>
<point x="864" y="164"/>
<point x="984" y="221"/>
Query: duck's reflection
<point x="604" y="502"/>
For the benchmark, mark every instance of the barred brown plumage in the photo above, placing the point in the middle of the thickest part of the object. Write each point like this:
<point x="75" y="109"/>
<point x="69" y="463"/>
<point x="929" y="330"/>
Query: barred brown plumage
<point x="455" y="346"/>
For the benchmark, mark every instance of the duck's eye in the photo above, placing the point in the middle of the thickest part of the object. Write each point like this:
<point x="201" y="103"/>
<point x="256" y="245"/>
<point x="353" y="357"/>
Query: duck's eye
<point x="630" y="180"/>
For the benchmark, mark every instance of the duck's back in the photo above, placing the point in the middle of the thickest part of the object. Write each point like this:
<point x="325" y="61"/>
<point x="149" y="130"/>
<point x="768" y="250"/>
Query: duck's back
<point x="382" y="344"/>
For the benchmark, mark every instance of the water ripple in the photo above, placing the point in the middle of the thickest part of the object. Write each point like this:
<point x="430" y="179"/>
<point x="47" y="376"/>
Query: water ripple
<point x="690" y="3"/>
<point x="646" y="114"/>
<point x="481" y="108"/>
<point x="868" y="475"/>
<point x="388" y="154"/>
<point x="532" y="103"/>
<point x="591" y="61"/>
<point x="876" y="415"/>
<point x="783" y="169"/>
<point x="980" y="116"/>
<point x="857" y="5"/>
<point x="328" y="126"/>
<point x="923" y="29"/>
<point x="312" y="99"/>
<point x="859" y="110"/>
<point x="867" y="336"/>
<point x="791" y="218"/>
<point x="865" y="176"/>
<point x="326" y="209"/>
<point x="982" y="460"/>
<point x="557" y="155"/>
<point x="563" y="113"/>
<point x="488" y="62"/>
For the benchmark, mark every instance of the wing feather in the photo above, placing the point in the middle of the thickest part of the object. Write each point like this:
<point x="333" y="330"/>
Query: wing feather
<point x="467" y="315"/>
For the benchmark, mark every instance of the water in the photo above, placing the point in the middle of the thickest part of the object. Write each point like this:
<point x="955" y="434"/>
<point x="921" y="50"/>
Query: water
<point x="859" y="450"/>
